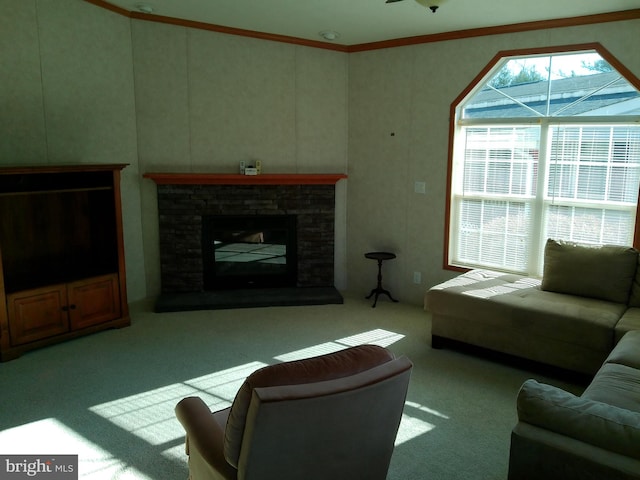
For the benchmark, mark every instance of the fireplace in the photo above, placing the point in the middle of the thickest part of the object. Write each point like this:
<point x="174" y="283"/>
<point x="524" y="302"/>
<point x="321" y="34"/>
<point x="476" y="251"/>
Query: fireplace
<point x="249" y="251"/>
<point x="183" y="211"/>
<point x="300" y="242"/>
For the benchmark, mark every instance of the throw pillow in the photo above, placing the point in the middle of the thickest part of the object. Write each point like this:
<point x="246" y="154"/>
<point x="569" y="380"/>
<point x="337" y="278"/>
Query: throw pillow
<point x="604" y="272"/>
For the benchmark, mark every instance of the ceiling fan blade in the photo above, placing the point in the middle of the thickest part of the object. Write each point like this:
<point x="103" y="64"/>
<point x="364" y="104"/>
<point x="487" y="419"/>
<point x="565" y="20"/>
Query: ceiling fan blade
<point x="392" y="1"/>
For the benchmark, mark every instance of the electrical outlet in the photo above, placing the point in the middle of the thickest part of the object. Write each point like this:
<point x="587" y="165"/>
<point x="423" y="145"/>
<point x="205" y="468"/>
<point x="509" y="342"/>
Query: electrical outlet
<point x="420" y="187"/>
<point x="417" y="278"/>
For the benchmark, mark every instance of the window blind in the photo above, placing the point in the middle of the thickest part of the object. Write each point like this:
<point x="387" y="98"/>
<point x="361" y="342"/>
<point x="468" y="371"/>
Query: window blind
<point x="588" y="195"/>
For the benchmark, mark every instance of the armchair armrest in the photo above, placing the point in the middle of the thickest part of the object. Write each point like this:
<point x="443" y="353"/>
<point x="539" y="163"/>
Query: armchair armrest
<point x="596" y="423"/>
<point x="205" y="433"/>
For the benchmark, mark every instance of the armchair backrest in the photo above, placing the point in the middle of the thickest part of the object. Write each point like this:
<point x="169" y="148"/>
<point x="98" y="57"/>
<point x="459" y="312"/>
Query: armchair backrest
<point x="335" y="416"/>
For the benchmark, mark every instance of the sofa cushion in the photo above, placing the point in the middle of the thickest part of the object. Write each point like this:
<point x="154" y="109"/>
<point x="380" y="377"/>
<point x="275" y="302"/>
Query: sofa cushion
<point x="627" y="351"/>
<point x="605" y="272"/>
<point x="331" y="366"/>
<point x="617" y="385"/>
<point x="605" y="426"/>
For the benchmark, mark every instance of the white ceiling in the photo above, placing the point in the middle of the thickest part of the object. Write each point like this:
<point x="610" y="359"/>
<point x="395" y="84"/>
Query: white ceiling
<point x="365" y="21"/>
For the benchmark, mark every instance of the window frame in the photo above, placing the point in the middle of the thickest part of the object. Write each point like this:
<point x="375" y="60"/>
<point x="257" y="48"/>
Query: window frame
<point x="477" y="83"/>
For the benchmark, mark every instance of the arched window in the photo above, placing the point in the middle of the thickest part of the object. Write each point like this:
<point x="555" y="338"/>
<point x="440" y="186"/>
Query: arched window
<point x="545" y="145"/>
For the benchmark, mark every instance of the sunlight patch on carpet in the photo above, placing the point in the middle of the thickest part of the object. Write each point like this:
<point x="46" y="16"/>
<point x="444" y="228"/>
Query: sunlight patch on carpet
<point x="150" y="415"/>
<point x="426" y="409"/>
<point x="51" y="436"/>
<point x="320" y="349"/>
<point x="380" y="337"/>
<point x="410" y="428"/>
<point x="225" y="383"/>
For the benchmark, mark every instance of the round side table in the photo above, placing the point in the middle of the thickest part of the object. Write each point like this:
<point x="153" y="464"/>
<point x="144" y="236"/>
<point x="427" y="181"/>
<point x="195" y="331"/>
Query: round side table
<point x="380" y="257"/>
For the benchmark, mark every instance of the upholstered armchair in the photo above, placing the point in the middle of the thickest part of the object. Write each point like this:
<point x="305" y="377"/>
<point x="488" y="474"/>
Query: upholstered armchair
<point x="329" y="417"/>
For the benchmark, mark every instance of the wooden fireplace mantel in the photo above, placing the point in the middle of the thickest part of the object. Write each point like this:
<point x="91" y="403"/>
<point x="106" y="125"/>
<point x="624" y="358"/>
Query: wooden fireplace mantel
<point x="237" y="179"/>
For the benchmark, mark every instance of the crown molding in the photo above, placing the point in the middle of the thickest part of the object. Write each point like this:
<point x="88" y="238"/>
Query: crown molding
<point x="399" y="42"/>
<point x="499" y="30"/>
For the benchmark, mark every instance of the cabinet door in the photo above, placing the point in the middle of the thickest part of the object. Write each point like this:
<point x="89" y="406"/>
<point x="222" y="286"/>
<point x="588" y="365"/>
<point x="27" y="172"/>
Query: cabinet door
<point x="36" y="314"/>
<point x="93" y="301"/>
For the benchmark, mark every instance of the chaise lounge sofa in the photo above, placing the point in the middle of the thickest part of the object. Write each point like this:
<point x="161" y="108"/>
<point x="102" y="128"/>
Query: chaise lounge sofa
<point x="586" y="300"/>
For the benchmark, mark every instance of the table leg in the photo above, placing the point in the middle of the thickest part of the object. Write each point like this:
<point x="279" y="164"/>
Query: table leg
<point x="379" y="290"/>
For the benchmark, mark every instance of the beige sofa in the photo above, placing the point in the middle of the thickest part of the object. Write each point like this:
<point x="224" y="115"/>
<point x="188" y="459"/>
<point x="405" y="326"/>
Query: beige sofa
<point x="571" y="318"/>
<point x="560" y="436"/>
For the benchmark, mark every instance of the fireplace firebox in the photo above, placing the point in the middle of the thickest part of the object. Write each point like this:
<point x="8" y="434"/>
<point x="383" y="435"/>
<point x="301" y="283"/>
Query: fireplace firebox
<point x="249" y="251"/>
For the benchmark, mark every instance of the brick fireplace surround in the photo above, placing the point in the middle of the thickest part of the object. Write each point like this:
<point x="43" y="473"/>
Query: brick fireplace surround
<point x="183" y="199"/>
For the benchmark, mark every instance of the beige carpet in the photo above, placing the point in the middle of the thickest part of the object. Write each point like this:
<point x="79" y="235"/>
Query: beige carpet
<point x="109" y="397"/>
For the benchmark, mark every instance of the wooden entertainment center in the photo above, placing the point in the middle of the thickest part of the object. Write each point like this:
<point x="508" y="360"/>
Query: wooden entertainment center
<point x="62" y="269"/>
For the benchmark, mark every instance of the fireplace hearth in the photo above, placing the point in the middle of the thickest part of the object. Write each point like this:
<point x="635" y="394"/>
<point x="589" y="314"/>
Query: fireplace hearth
<point x="248" y="298"/>
<point x="302" y="239"/>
